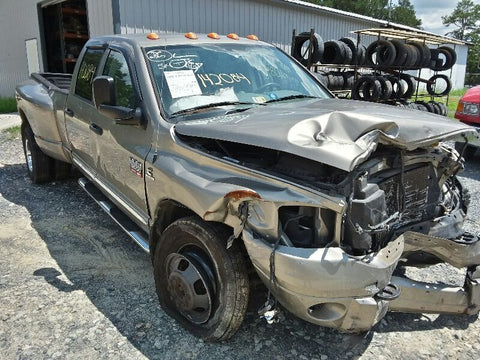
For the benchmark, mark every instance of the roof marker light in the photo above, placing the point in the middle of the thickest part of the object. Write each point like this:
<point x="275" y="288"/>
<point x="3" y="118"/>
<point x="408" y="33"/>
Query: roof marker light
<point x="191" y="36"/>
<point x="214" y="35"/>
<point x="233" y="36"/>
<point x="252" y="37"/>
<point x="153" y="36"/>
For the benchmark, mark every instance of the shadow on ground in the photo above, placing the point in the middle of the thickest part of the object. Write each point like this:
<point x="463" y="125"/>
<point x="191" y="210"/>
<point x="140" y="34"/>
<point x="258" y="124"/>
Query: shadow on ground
<point x="99" y="259"/>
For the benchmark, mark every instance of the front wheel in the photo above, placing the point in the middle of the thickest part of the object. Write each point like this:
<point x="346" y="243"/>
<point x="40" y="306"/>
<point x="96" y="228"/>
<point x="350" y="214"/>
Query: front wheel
<point x="39" y="166"/>
<point x="199" y="282"/>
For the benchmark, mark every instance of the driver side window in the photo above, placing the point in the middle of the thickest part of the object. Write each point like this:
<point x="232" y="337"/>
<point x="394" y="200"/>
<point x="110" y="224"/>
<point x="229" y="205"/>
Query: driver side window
<point x="116" y="66"/>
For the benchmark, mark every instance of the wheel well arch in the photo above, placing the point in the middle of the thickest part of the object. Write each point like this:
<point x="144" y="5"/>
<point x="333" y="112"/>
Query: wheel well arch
<point x="168" y="211"/>
<point x="24" y="118"/>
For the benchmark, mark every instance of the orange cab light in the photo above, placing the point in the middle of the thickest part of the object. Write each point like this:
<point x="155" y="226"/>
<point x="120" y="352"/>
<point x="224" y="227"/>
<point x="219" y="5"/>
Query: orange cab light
<point x="252" y="37"/>
<point x="191" y="35"/>
<point x="214" y="35"/>
<point x="460" y="107"/>
<point x="233" y="36"/>
<point x="153" y="36"/>
<point x="240" y="194"/>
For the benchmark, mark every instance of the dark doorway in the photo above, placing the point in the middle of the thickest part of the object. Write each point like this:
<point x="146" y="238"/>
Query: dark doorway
<point x="65" y="31"/>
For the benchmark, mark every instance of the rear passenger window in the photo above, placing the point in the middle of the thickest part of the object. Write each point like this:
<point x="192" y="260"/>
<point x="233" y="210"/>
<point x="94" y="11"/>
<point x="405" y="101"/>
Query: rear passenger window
<point x="87" y="71"/>
<point x="116" y="67"/>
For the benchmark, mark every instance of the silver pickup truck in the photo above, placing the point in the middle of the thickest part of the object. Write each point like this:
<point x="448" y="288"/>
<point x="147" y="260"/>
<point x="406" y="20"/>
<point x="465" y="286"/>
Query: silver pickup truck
<point x="219" y="155"/>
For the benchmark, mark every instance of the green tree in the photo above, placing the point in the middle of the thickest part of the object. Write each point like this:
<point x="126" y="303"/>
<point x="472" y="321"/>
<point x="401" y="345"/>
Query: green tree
<point x="403" y="12"/>
<point x="466" y="20"/>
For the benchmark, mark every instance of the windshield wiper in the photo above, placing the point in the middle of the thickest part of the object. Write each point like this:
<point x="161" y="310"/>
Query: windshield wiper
<point x="212" y="105"/>
<point x="298" y="96"/>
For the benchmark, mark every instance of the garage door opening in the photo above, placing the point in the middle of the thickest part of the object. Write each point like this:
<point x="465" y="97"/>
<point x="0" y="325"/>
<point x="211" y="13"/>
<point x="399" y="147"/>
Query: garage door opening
<point x="65" y="31"/>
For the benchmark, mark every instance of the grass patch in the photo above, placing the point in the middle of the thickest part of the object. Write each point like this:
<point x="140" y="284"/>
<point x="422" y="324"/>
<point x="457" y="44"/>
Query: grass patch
<point x="8" y="105"/>
<point x="13" y="132"/>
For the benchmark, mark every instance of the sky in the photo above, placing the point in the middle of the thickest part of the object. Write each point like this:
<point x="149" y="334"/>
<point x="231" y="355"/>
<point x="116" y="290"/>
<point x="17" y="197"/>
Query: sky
<point x="431" y="12"/>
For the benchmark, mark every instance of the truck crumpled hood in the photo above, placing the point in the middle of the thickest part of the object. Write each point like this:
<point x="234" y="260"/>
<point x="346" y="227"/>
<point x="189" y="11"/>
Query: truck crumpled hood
<point x="340" y="133"/>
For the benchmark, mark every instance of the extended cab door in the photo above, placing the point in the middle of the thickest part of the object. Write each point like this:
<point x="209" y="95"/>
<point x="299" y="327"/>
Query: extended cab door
<point x="80" y="110"/>
<point x="122" y="149"/>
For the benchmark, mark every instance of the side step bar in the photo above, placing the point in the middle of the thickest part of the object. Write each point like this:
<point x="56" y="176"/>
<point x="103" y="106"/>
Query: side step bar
<point x="132" y="229"/>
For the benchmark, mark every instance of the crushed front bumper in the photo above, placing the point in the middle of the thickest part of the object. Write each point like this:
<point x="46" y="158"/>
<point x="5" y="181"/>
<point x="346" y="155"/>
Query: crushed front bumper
<point x="328" y="287"/>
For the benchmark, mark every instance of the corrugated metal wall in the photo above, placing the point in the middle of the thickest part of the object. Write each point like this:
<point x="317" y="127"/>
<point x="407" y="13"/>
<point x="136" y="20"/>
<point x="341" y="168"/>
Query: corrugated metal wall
<point x="100" y="19"/>
<point x="273" y="21"/>
<point x="18" y="22"/>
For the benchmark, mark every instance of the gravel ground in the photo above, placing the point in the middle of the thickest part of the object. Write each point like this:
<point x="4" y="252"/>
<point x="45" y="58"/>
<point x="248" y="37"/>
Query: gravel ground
<point x="73" y="286"/>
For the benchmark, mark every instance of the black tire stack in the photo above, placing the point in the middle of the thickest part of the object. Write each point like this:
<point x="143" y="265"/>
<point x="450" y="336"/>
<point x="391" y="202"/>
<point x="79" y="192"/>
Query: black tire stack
<point x="383" y="56"/>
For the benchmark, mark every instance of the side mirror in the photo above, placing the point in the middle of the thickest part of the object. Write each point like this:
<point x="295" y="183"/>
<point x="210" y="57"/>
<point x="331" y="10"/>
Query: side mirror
<point x="103" y="88"/>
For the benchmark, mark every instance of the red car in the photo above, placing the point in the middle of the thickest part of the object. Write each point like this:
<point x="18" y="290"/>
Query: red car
<point x="468" y="111"/>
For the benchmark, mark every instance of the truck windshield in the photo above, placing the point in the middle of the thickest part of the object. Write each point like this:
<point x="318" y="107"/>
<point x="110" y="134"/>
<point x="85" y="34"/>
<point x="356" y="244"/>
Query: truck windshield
<point x="193" y="77"/>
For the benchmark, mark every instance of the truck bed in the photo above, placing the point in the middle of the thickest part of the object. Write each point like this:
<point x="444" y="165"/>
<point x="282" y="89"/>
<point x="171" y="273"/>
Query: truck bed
<point x="59" y="81"/>
<point x="41" y="101"/>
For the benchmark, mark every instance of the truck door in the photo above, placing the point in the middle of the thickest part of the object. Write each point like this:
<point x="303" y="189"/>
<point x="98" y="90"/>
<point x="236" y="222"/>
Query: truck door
<point x="122" y="149"/>
<point x="80" y="109"/>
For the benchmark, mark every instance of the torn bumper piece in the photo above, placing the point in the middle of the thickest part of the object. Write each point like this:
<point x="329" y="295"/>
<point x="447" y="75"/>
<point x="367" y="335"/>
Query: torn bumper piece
<point x="328" y="287"/>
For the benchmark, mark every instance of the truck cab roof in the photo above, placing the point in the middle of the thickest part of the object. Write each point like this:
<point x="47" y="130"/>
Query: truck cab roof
<point x="144" y="41"/>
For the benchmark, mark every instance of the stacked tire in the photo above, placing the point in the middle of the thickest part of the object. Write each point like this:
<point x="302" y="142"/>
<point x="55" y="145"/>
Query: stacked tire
<point x="431" y="106"/>
<point x="386" y="88"/>
<point x="308" y="50"/>
<point x="345" y="51"/>
<point x="410" y="55"/>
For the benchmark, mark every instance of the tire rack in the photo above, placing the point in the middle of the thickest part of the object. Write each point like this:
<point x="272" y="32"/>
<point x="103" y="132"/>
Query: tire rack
<point x="388" y="33"/>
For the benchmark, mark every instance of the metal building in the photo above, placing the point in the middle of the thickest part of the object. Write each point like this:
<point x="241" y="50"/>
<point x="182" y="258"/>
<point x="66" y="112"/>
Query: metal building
<point x="46" y="35"/>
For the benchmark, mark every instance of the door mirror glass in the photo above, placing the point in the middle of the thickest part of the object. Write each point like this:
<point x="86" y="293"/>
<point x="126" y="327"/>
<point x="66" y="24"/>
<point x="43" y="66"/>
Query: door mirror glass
<point x="103" y="91"/>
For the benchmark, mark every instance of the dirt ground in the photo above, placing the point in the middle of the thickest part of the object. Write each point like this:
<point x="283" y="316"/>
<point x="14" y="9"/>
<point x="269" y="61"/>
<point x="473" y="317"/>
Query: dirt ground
<point x="74" y="286"/>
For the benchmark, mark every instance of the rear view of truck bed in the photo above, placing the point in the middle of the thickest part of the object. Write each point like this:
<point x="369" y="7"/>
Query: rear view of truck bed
<point x="41" y="101"/>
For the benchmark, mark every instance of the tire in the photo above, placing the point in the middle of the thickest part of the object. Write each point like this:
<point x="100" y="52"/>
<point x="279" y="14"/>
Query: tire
<point x="351" y="43"/>
<point x="317" y="52"/>
<point x="347" y="53"/>
<point x="452" y="52"/>
<point x="322" y="78"/>
<point x="423" y="54"/>
<point x="437" y="63"/>
<point x="444" y="110"/>
<point x="334" y="52"/>
<point x="339" y="81"/>
<point x="372" y="89"/>
<point x="358" y="87"/>
<point x="348" y="80"/>
<point x="397" y="87"/>
<point x="386" y="88"/>
<point x="199" y="282"/>
<point x="421" y="105"/>
<point x="331" y="81"/>
<point x="409" y="85"/>
<point x="384" y="51"/>
<point x="412" y="57"/>
<point x="430" y="107"/>
<point x="402" y="53"/>
<point x="361" y="55"/>
<point x="436" y="108"/>
<point x="40" y="166"/>
<point x="432" y="84"/>
<point x="62" y="170"/>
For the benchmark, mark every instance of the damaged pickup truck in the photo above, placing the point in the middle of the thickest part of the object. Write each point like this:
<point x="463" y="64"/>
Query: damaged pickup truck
<point x="219" y="155"/>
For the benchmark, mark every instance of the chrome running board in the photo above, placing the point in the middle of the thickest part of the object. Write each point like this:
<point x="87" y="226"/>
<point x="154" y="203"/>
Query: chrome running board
<point x="127" y="225"/>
